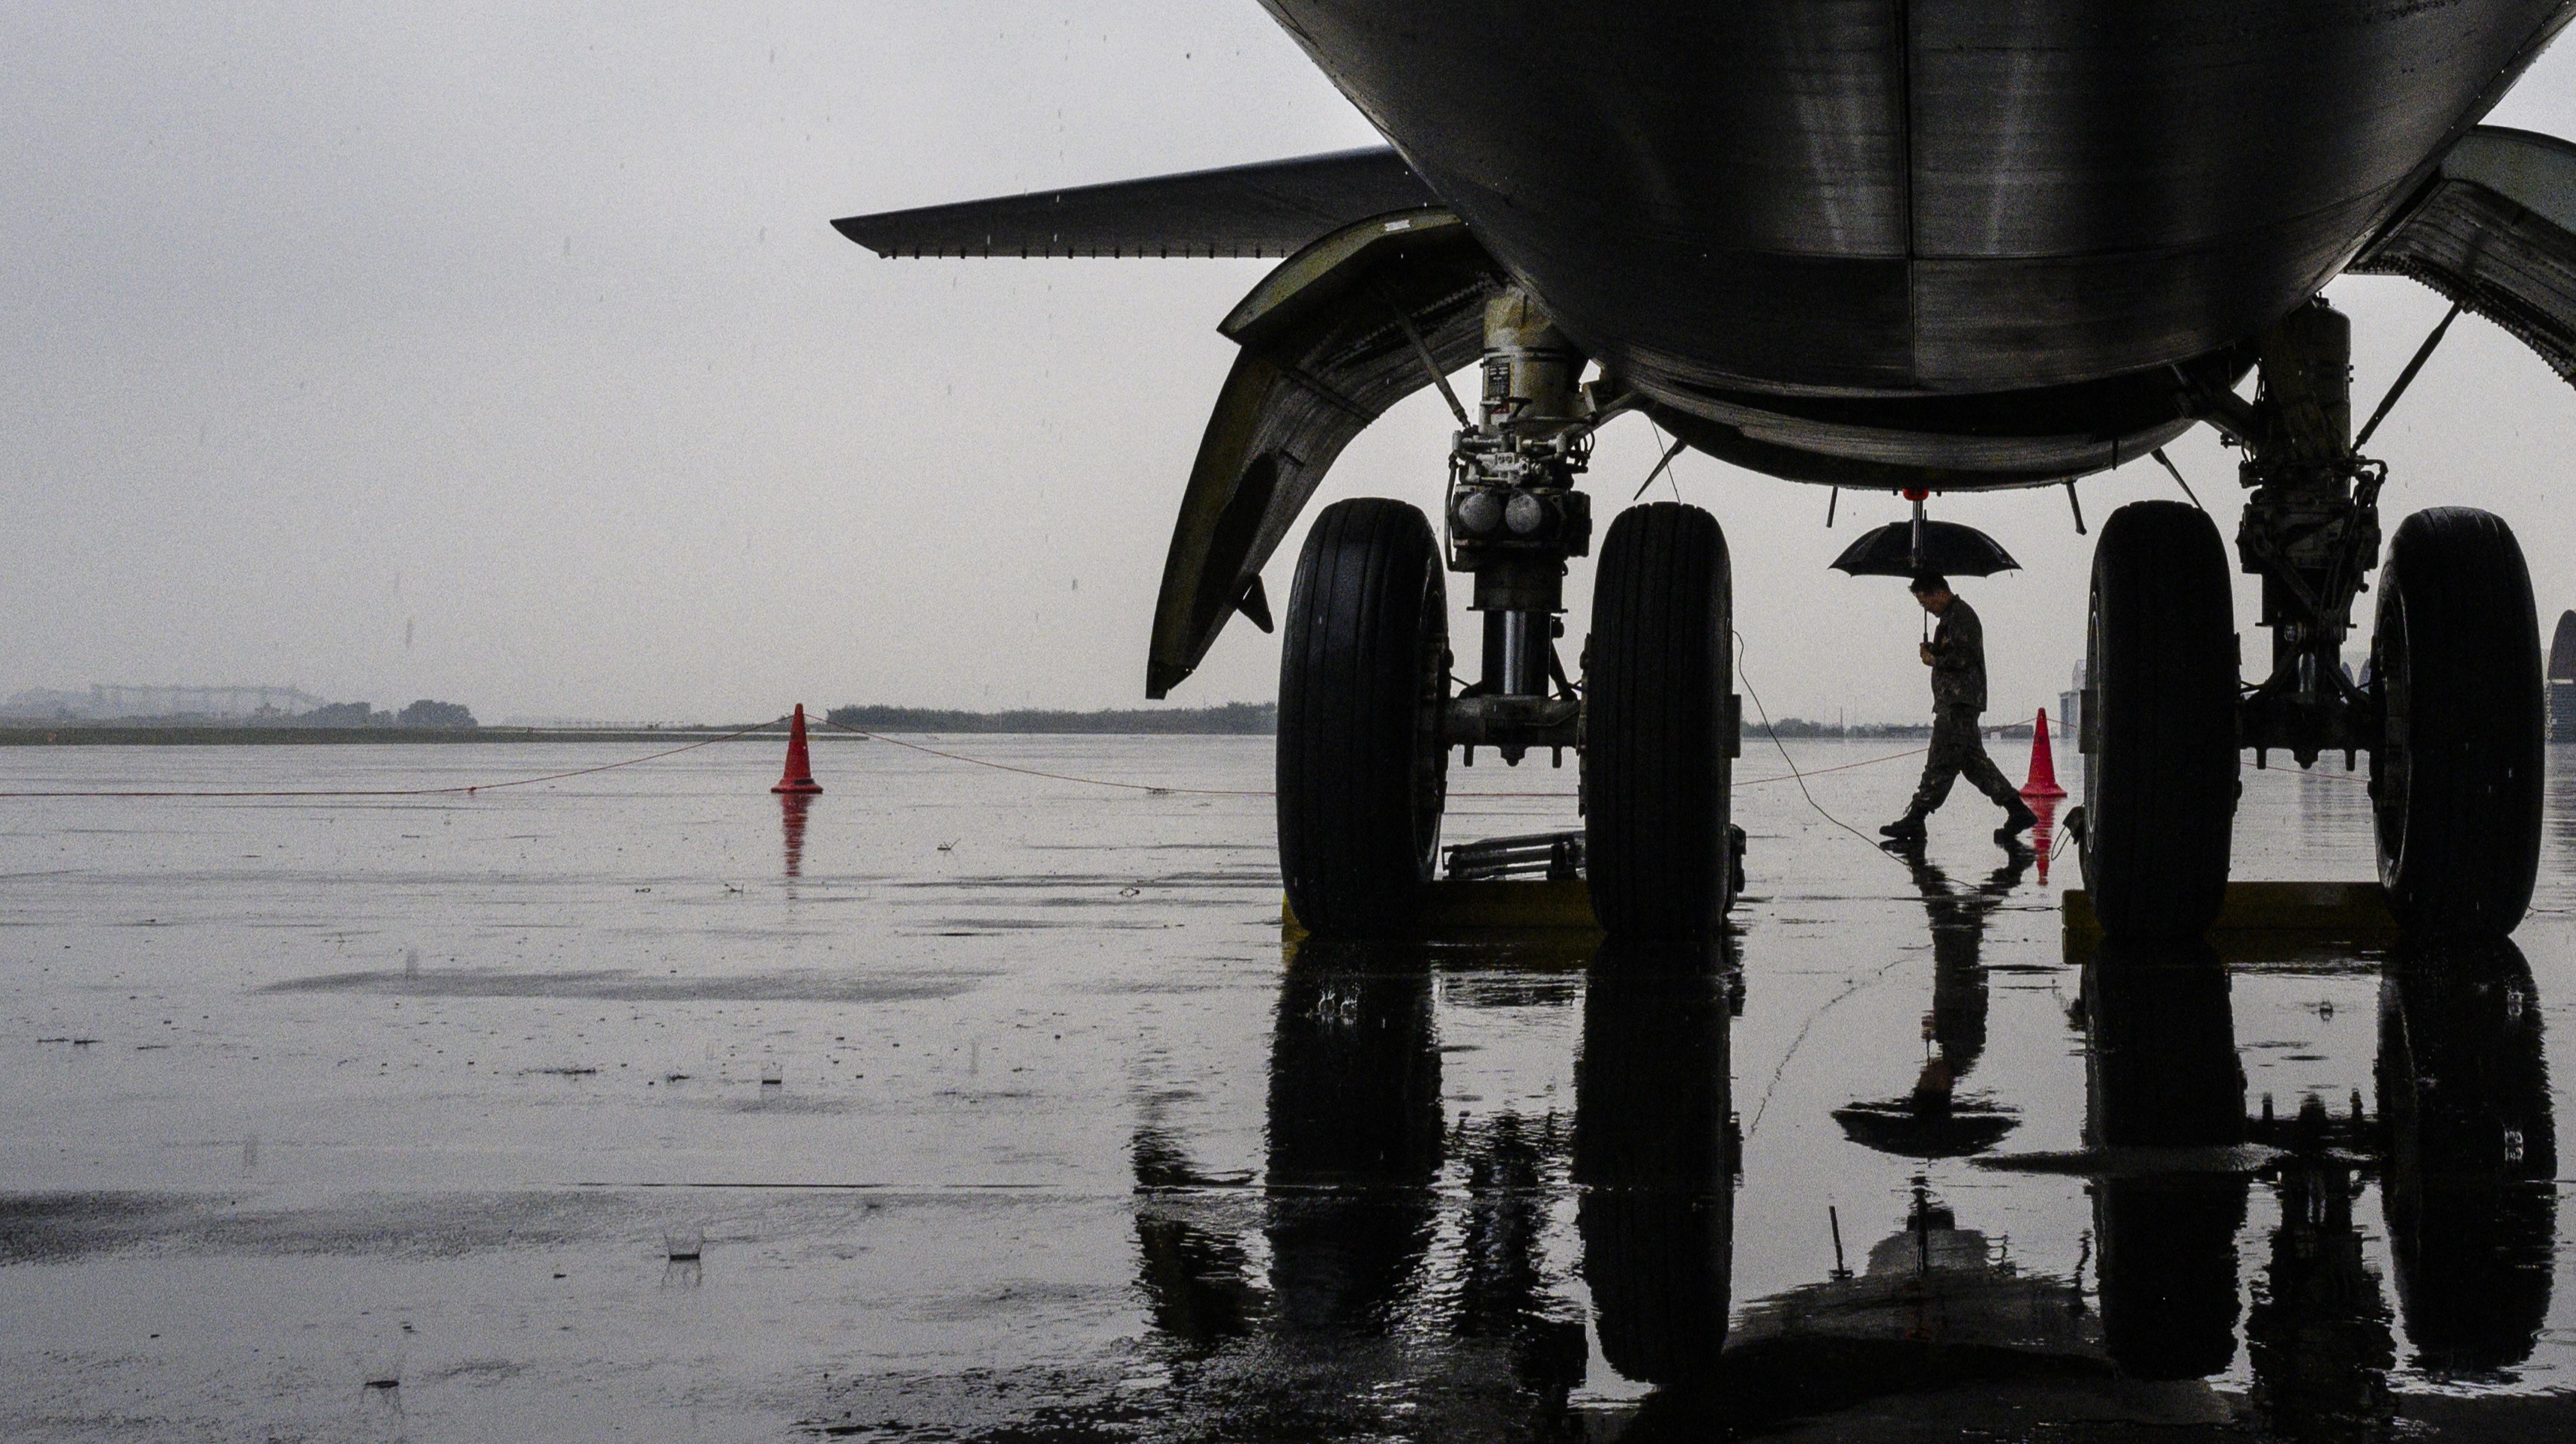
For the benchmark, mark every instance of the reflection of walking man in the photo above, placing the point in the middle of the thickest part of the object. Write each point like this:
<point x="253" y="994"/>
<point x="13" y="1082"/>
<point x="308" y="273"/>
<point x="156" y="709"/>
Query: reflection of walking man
<point x="1957" y="656"/>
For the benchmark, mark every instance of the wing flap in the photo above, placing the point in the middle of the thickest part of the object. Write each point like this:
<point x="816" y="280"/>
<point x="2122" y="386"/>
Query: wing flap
<point x="1272" y="208"/>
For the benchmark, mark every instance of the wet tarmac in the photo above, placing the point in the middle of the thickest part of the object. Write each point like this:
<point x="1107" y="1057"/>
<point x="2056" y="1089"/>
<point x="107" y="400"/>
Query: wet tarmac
<point x="964" y="1105"/>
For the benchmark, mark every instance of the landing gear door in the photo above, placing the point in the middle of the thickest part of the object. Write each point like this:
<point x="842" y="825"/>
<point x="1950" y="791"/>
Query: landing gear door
<point x="1331" y="339"/>
<point x="2494" y="229"/>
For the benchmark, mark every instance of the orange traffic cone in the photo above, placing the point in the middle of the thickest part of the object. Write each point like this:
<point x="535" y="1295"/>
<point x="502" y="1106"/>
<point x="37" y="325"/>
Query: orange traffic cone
<point x="800" y="768"/>
<point x="2043" y="767"/>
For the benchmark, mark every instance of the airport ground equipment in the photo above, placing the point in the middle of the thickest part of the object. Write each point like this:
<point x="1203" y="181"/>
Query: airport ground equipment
<point x="1918" y="250"/>
<point x="2562" y="679"/>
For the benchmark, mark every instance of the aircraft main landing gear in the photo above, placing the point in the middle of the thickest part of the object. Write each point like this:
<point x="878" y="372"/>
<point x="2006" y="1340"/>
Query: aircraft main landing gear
<point x="1366" y="718"/>
<point x="2450" y="710"/>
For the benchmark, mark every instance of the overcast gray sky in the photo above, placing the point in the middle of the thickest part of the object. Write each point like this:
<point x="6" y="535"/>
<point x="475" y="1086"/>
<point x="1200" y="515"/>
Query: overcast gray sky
<point x="502" y="353"/>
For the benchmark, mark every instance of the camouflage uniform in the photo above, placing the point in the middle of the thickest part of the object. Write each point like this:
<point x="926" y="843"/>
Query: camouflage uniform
<point x="1958" y="695"/>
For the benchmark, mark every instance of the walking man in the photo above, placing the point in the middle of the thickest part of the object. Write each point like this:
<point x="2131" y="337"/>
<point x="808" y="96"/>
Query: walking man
<point x="1957" y="656"/>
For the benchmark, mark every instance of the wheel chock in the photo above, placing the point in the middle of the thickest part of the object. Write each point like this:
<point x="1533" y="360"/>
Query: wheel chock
<point x="2354" y="912"/>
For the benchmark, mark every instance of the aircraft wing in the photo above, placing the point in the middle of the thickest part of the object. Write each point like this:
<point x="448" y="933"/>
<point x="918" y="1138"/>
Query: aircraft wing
<point x="1272" y="208"/>
<point x="2494" y="229"/>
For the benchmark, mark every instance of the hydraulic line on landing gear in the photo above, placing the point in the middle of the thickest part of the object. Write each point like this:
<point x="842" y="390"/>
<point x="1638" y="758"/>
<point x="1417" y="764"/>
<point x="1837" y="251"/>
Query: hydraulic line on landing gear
<point x="1513" y="519"/>
<point x="2311" y="532"/>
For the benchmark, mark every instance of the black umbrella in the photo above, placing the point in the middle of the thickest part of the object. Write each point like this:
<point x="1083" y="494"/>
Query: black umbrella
<point x="1946" y="547"/>
<point x="1911" y="1129"/>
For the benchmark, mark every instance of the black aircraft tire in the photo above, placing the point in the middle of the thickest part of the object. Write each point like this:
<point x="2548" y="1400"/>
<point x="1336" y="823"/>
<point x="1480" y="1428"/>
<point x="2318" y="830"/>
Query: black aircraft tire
<point x="2456" y="779"/>
<point x="2160" y="723"/>
<point x="1363" y="669"/>
<point x="1658" y="699"/>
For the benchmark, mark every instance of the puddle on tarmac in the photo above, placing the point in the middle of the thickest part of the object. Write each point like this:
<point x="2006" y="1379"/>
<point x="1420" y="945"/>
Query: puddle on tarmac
<point x="954" y="1105"/>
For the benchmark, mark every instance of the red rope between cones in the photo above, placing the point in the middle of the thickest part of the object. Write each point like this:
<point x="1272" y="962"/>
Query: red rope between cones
<point x="1148" y="787"/>
<point x="470" y="789"/>
<point x="1050" y="776"/>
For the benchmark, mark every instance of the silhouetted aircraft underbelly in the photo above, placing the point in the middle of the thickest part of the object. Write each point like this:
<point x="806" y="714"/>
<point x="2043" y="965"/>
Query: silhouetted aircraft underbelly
<point x="1920" y="197"/>
<point x="1909" y="245"/>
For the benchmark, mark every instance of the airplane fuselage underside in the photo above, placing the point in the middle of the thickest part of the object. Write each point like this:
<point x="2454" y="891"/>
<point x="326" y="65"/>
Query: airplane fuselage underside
<point x="1912" y="198"/>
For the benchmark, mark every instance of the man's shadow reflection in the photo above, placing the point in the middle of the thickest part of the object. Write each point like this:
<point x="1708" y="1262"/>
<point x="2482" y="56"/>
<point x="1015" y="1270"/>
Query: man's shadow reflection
<point x="1933" y="1120"/>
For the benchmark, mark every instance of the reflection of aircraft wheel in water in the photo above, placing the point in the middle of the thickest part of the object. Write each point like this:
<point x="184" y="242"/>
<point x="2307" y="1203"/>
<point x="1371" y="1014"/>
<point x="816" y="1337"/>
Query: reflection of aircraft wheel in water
<point x="2164" y="1099"/>
<point x="1355" y="1135"/>
<point x="1659" y="681"/>
<point x="2456" y="778"/>
<point x="1362" y="673"/>
<point x="1654" y="1156"/>
<point x="2470" y="1154"/>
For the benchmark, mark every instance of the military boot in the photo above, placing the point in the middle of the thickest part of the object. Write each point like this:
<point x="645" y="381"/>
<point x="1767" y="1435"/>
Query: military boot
<point x="1908" y="828"/>
<point x="2018" y="819"/>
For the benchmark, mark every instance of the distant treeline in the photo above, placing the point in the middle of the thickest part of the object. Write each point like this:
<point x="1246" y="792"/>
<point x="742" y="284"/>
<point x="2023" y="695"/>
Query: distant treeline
<point x="1237" y="718"/>
<point x="425" y="713"/>
<point x="1801" y="727"/>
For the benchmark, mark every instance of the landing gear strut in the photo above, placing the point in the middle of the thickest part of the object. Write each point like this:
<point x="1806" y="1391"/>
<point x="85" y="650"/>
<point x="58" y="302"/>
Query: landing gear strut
<point x="1514" y="520"/>
<point x="2450" y="709"/>
<point x="1654" y="721"/>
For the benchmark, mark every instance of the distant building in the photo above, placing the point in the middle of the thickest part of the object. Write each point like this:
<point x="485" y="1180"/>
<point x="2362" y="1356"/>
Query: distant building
<point x="105" y="701"/>
<point x="2562" y="680"/>
<point x="2069" y="725"/>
